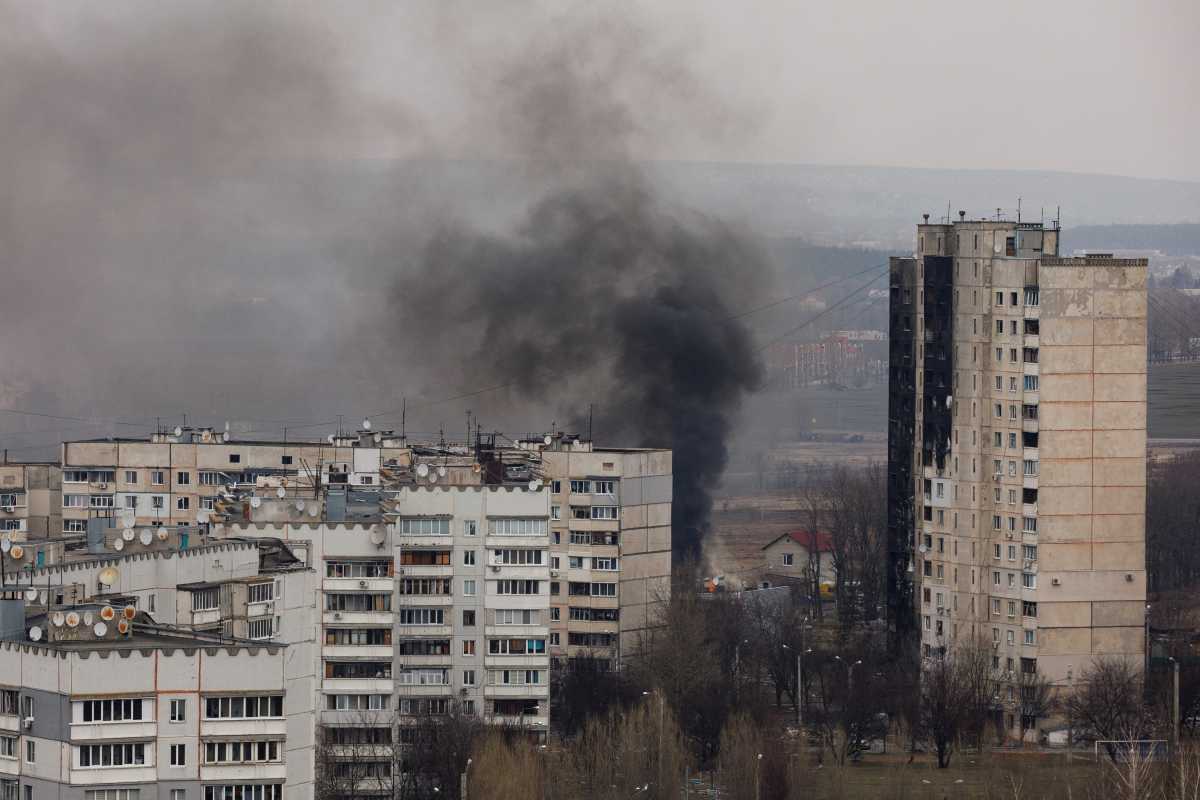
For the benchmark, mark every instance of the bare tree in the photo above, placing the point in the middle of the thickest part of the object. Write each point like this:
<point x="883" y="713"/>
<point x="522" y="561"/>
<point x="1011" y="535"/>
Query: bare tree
<point x="357" y="759"/>
<point x="1107" y="704"/>
<point x="506" y="766"/>
<point x="1035" y="700"/>
<point x="848" y="699"/>
<point x="955" y="698"/>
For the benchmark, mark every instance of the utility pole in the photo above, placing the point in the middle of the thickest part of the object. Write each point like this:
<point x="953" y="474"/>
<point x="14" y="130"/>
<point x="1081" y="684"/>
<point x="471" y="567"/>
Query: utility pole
<point x="1174" y="706"/>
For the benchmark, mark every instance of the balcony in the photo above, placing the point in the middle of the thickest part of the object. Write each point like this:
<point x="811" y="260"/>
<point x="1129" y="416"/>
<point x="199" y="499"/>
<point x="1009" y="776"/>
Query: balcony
<point x="531" y="661"/>
<point x="377" y="618"/>
<point x="123" y="731"/>
<point x="238" y="727"/>
<point x="418" y="631"/>
<point x="424" y="661"/>
<point x="516" y="631"/>
<point x="359" y="584"/>
<point x="423" y="690"/>
<point x="105" y="776"/>
<point x="371" y="652"/>
<point x="357" y="685"/>
<point x="425" y="570"/>
<point x="539" y="691"/>
<point x="229" y="773"/>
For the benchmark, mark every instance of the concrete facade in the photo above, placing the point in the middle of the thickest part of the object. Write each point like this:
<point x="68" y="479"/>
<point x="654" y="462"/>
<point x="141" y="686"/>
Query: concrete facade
<point x="30" y="500"/>
<point x="1028" y="448"/>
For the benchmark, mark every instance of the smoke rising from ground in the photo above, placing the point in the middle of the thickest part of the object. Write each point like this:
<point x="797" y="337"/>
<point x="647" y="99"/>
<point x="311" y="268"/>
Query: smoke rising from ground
<point x="223" y="211"/>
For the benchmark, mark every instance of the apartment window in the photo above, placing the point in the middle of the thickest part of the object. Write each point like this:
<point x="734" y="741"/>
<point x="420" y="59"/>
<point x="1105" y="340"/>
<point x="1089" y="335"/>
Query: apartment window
<point x="210" y="478"/>
<point x="1012" y="609"/>
<point x="470" y="527"/>
<point x="999" y="410"/>
<point x="604" y="512"/>
<point x="425" y="527"/>
<point x="997" y="440"/>
<point x="1029" y="552"/>
<point x="1012" y="552"/>
<point x="75" y="476"/>
<point x="996" y="606"/>
<point x="112" y="710"/>
<point x="178" y="755"/>
<point x="131" y="501"/>
<point x="468" y="648"/>
<point x="516" y="647"/>
<point x="182" y="503"/>
<point x="1029" y="524"/>
<point x="1012" y="580"/>
<point x="995" y="577"/>
<point x="157" y="477"/>
<point x="235" y="458"/>
<point x="1029" y="580"/>
<point x="1031" y="355"/>
<point x="248" y="752"/>
<point x="369" y="636"/>
<point x="358" y="569"/>
<point x="183" y="478"/>
<point x="8" y="747"/>
<point x="359" y="602"/>
<point x="999" y="354"/>
<point x="556" y="487"/>
<point x="469" y="558"/>
<point x="1030" y="637"/>
<point x="1031" y="467"/>
<point x="1012" y="383"/>
<point x="555" y="512"/>
<point x="127" y="754"/>
<point x="581" y="487"/>
<point x="74" y="526"/>
<point x="157" y="502"/>
<point x="1028" y="608"/>
<point x="555" y="613"/>
<point x="517" y="527"/>
<point x="999" y="298"/>
<point x="518" y="587"/>
<point x="1011" y="637"/>
<point x="260" y="592"/>
<point x="1012" y="437"/>
<point x="996" y="522"/>
<point x="131" y="476"/>
<point x="102" y="501"/>
<point x="252" y="707"/>
<point x="247" y="791"/>
<point x="1000" y="326"/>
<point x="262" y="628"/>
<point x="468" y="677"/>
<point x="1031" y="295"/>
<point x="516" y="616"/>
<point x="1031" y="383"/>
<point x="604" y="487"/>
<point x="355" y="702"/>
<point x="469" y="588"/>
<point x="996" y="551"/>
<point x="468" y="618"/>
<point x="520" y="556"/>
<point x="178" y="710"/>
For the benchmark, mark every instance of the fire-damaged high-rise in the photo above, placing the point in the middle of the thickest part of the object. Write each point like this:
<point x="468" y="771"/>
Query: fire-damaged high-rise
<point x="1016" y="451"/>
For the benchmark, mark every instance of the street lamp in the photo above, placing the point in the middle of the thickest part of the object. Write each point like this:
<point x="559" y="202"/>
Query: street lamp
<point x="801" y="694"/>
<point x="660" y="729"/>
<point x="758" y="777"/>
<point x="463" y="781"/>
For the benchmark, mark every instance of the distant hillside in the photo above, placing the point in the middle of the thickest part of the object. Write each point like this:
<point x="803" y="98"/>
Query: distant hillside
<point x="1175" y="240"/>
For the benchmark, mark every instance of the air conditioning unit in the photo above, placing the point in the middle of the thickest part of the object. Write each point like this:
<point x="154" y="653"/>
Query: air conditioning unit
<point x="1009" y="536"/>
<point x="337" y="615"/>
<point x="495" y="568"/>
<point x="102" y="486"/>
<point x="27" y="723"/>
<point x="1055" y="582"/>
<point x="553" y="573"/>
<point x="8" y="509"/>
<point x="362" y="584"/>
<point x="941" y="611"/>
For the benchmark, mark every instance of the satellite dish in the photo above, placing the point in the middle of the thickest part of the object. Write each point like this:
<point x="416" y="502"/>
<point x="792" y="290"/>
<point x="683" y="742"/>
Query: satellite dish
<point x="255" y="502"/>
<point x="225" y="435"/>
<point x="299" y="505"/>
<point x="281" y="492"/>
<point x="119" y="545"/>
<point x="99" y="629"/>
<point x="58" y="619"/>
<point x="123" y="627"/>
<point x="377" y="537"/>
<point x="422" y="470"/>
<point x="227" y="426"/>
<point x="107" y="613"/>
<point x="314" y="510"/>
<point x="17" y="552"/>
<point x="283" y="481"/>
<point x="108" y="575"/>
<point x="537" y="484"/>
<point x="128" y="534"/>
<point x="178" y="431"/>
<point x="87" y="618"/>
<point x="366" y="424"/>
<point x="127" y="521"/>
<point x="378" y="437"/>
<point x="433" y="477"/>
<point x="476" y="468"/>
<point x="329" y="438"/>
<point x="31" y="595"/>
<point x="5" y="545"/>
<point x="548" y="439"/>
<point x="146" y="537"/>
<point x="534" y="486"/>
<point x="441" y="472"/>
<point x="202" y="516"/>
<point x="72" y="619"/>
<point x="35" y="634"/>
<point x="162" y="534"/>
<point x="921" y="550"/>
<point x="129" y="612"/>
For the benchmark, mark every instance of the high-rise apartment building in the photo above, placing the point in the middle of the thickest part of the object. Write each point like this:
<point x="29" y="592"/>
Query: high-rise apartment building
<point x="1017" y="449"/>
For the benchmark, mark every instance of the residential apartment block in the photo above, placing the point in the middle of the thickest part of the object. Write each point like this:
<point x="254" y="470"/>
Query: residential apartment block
<point x="1017" y="449"/>
<point x="30" y="500"/>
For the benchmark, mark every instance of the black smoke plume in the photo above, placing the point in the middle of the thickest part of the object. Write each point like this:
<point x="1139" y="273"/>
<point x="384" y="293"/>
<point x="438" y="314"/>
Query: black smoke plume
<point x="602" y="297"/>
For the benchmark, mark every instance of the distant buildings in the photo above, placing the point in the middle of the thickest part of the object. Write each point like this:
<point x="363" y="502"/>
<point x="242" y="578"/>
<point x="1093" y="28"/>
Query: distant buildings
<point x="405" y="580"/>
<point x="1017" y="450"/>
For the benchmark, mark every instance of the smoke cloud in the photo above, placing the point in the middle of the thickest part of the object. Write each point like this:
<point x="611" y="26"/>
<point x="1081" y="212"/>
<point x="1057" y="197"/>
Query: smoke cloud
<point x="234" y="213"/>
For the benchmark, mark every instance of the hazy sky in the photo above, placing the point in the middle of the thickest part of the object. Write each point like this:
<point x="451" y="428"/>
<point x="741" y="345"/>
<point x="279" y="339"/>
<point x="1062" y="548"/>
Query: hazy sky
<point x="1102" y="86"/>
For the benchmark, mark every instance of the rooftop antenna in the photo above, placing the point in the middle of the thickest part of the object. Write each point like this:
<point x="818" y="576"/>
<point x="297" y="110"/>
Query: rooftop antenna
<point x="998" y="210"/>
<point x="590" y="409"/>
<point x="185" y="419"/>
<point x="468" y="426"/>
<point x="947" y="212"/>
<point x="1058" y="217"/>
<point x="1018" y="211"/>
<point x="339" y="426"/>
<point x="403" y="418"/>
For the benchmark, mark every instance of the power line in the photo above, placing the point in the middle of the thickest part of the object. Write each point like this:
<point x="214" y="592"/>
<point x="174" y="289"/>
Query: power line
<point x="824" y="313"/>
